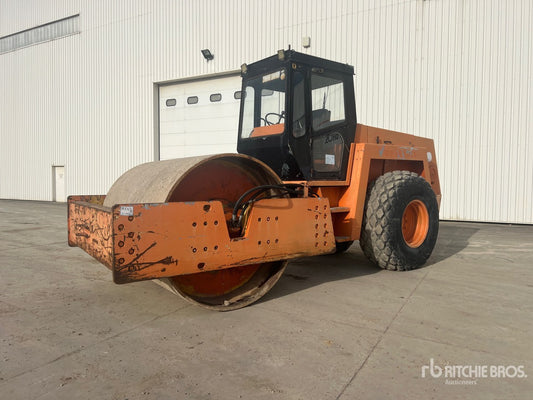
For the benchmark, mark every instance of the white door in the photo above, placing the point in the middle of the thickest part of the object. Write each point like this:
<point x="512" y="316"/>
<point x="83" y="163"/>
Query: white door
<point x="59" y="183"/>
<point x="199" y="118"/>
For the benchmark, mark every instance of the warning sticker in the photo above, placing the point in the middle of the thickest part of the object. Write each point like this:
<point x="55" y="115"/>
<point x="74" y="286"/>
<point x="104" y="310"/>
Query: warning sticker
<point x="330" y="159"/>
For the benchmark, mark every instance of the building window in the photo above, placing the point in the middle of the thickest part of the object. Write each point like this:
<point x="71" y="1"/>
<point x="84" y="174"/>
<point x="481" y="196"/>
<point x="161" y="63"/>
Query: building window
<point x="192" y="100"/>
<point x="215" y="97"/>
<point x="39" y="34"/>
<point x="170" y="102"/>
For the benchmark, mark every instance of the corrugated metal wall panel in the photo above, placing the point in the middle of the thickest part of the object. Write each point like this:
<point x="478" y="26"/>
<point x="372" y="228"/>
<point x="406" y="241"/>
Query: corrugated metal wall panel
<point x="19" y="15"/>
<point x="455" y="70"/>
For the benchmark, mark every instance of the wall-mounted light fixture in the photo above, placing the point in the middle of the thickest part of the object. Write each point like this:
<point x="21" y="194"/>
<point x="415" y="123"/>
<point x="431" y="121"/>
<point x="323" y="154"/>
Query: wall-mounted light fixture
<point x="207" y="54"/>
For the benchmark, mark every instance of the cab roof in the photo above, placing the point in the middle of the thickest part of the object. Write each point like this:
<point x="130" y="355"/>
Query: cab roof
<point x="285" y="57"/>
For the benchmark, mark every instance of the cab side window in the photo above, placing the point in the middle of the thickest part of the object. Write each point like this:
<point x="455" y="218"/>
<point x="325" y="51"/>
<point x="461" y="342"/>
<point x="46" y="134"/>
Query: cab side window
<point x="327" y="97"/>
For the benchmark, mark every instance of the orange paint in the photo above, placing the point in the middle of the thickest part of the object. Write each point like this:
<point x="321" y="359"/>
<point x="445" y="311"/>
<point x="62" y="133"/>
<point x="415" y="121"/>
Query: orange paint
<point x="415" y="223"/>
<point x="170" y="239"/>
<point x="188" y="239"/>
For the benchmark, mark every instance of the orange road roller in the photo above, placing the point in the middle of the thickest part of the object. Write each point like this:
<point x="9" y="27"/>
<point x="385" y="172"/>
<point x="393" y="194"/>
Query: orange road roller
<point x="307" y="180"/>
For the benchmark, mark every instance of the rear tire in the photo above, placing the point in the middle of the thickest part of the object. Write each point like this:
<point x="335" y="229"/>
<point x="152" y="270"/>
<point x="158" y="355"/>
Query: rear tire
<point x="401" y="221"/>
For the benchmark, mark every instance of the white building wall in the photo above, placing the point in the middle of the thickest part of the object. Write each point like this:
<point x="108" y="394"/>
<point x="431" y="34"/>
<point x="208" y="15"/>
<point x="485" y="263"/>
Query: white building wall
<point x="459" y="71"/>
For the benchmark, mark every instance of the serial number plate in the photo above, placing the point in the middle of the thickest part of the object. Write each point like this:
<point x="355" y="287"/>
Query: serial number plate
<point x="126" y="210"/>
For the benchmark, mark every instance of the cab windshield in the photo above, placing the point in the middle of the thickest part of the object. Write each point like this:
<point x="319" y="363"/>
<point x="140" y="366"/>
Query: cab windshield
<point x="264" y="105"/>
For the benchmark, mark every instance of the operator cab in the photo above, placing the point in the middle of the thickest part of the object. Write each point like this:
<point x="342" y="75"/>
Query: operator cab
<point x="298" y="115"/>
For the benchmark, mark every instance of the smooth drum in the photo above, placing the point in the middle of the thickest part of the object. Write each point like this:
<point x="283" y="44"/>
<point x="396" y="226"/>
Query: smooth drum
<point x="223" y="177"/>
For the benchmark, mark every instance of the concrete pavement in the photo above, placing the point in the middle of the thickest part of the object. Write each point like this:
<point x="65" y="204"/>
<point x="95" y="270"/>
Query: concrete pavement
<point x="334" y="327"/>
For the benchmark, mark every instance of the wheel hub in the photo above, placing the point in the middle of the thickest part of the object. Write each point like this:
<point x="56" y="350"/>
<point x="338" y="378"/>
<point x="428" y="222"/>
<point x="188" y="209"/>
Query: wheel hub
<point x="415" y="223"/>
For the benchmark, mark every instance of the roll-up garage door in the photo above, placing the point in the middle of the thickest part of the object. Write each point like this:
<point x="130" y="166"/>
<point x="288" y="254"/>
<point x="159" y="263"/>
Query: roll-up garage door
<point x="199" y="117"/>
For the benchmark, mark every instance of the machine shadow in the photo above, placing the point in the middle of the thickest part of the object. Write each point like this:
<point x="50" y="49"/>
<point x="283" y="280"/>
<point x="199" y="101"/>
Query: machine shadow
<point x="453" y="237"/>
<point x="305" y="273"/>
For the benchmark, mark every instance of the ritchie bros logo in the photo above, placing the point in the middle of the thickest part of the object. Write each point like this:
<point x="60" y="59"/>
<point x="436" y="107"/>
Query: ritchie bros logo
<point x="468" y="374"/>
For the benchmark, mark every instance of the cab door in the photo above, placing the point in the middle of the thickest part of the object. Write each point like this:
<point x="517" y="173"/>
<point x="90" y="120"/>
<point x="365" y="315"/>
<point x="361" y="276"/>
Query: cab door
<point x="331" y="128"/>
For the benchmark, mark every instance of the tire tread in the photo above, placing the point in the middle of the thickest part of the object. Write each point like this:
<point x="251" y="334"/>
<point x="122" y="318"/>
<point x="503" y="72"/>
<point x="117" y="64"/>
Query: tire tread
<point x="377" y="237"/>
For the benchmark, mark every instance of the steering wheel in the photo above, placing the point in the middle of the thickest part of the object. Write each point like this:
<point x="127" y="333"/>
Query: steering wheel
<point x="274" y="115"/>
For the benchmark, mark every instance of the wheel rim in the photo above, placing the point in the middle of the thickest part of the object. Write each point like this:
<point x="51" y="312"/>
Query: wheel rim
<point x="415" y="223"/>
<point x="231" y="288"/>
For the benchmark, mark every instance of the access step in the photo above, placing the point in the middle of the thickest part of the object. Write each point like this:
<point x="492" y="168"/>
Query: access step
<point x="339" y="210"/>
